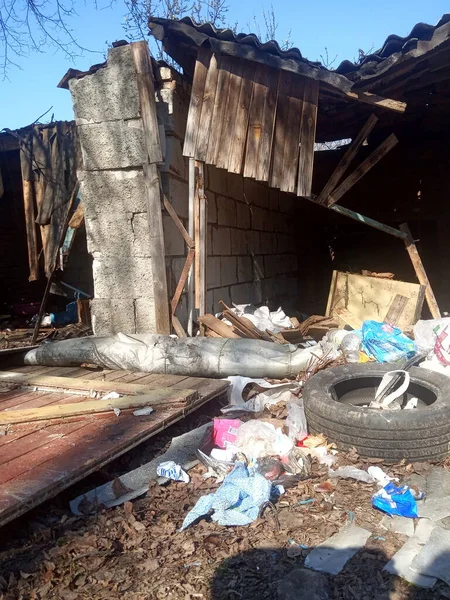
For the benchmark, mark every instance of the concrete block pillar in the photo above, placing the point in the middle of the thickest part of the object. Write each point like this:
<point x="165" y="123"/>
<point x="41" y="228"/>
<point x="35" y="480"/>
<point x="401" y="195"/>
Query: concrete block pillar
<point x="107" y="112"/>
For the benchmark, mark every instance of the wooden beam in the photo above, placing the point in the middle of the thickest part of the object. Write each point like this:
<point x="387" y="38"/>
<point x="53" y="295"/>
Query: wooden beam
<point x="375" y="100"/>
<point x="176" y="219"/>
<point x="178" y="327"/>
<point x="152" y="398"/>
<point x="201" y="249"/>
<point x="156" y="247"/>
<point x="367" y="221"/>
<point x="146" y="89"/>
<point x="75" y="384"/>
<point x="346" y="160"/>
<point x="219" y="327"/>
<point x="307" y="138"/>
<point x="420" y="271"/>
<point x="363" y="168"/>
<point x="182" y="281"/>
<point x="29" y="206"/>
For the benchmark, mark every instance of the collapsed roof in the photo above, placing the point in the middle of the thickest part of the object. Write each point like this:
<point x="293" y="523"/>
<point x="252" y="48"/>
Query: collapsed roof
<point x="409" y="69"/>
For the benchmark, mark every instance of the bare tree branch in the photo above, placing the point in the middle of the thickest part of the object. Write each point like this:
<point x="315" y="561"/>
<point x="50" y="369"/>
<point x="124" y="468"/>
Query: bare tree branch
<point x="33" y="25"/>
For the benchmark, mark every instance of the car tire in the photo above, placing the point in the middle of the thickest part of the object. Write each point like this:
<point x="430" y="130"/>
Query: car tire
<point x="418" y="434"/>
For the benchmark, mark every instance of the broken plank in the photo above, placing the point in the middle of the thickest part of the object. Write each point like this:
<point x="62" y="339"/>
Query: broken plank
<point x="206" y="117"/>
<point x="349" y="318"/>
<point x="194" y="123"/>
<point x="178" y="327"/>
<point x="237" y="147"/>
<point x="363" y="168"/>
<point x="307" y="138"/>
<point x="61" y="384"/>
<point x="367" y="221"/>
<point x="346" y="160"/>
<point x="219" y="327"/>
<point x="178" y="223"/>
<point x="220" y="103"/>
<point x="162" y="396"/>
<point x="375" y="100"/>
<point x="182" y="281"/>
<point x="420" y="271"/>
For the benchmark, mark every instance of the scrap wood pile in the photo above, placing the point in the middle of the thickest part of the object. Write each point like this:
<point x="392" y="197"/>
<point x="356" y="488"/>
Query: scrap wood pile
<point x="245" y="321"/>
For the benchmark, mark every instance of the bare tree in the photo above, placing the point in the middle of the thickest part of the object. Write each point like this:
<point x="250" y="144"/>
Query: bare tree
<point x="33" y="25"/>
<point x="201" y="11"/>
<point x="270" y="24"/>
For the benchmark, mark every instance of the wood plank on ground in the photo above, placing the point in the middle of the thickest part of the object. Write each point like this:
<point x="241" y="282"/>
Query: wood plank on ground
<point x="67" y="383"/>
<point x="91" y="447"/>
<point x="154" y="397"/>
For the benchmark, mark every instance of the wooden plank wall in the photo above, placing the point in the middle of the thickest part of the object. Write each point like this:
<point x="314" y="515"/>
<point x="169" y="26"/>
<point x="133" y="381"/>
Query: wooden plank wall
<point x="49" y="158"/>
<point x="253" y="120"/>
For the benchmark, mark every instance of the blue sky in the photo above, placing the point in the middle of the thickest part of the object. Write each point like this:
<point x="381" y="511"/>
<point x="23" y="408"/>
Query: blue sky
<point x="343" y="27"/>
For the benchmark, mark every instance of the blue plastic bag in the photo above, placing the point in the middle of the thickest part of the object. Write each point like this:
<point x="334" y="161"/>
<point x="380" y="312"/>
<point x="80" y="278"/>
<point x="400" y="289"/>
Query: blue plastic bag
<point x="396" y="501"/>
<point x="386" y="343"/>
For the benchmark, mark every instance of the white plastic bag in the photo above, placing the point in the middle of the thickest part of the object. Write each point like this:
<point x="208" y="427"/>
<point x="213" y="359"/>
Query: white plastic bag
<point x="257" y="439"/>
<point x="385" y="382"/>
<point x="296" y="421"/>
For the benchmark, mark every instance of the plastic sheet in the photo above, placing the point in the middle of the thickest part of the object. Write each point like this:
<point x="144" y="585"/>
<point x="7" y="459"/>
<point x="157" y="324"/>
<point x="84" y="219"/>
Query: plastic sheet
<point x="196" y="357"/>
<point x="386" y="343"/>
<point x="257" y="439"/>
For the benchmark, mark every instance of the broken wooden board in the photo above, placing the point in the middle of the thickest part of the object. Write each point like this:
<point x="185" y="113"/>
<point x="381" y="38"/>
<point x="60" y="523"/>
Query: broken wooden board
<point x="41" y="459"/>
<point x="152" y="398"/>
<point x="369" y="298"/>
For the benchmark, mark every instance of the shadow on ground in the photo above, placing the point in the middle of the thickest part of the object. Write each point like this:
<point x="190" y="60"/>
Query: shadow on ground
<point x="271" y="574"/>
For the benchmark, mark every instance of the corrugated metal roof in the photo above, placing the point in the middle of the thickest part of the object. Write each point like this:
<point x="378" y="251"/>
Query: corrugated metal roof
<point x="228" y="35"/>
<point x="422" y="39"/>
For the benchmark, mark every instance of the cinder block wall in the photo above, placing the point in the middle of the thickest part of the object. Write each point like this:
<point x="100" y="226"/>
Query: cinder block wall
<point x="107" y="113"/>
<point x="251" y="227"/>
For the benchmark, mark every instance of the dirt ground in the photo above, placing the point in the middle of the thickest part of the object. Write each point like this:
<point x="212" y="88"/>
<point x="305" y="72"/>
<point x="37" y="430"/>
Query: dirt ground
<point x="136" y="551"/>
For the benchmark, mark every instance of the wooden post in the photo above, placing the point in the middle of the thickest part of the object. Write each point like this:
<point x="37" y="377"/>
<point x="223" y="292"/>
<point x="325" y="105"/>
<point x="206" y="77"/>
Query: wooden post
<point x="201" y="249"/>
<point x="29" y="206"/>
<point x="191" y="234"/>
<point x="420" y="272"/>
<point x="144" y="75"/>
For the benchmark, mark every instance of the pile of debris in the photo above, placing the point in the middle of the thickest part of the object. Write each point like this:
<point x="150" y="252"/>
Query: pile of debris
<point x="247" y="321"/>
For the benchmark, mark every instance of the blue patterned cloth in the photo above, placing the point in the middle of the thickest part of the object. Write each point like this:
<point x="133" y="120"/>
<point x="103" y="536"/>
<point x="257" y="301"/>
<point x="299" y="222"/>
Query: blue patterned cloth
<point x="236" y="502"/>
